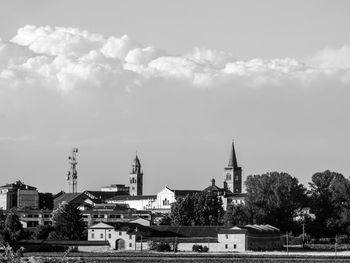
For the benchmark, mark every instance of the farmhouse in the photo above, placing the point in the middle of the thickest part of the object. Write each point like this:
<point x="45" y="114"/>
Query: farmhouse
<point x="132" y="236"/>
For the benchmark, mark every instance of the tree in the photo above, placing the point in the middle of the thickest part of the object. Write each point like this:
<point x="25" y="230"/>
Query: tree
<point x="68" y="223"/>
<point x="330" y="202"/>
<point x="237" y="215"/>
<point x="45" y="201"/>
<point x="273" y="198"/>
<point x="197" y="209"/>
<point x="182" y="212"/>
<point x="43" y="231"/>
<point x="207" y="209"/>
<point x="13" y="229"/>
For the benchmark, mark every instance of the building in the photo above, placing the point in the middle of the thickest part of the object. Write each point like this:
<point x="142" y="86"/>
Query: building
<point x="136" y="178"/>
<point x="156" y="203"/>
<point x="131" y="236"/>
<point x="31" y="218"/>
<point x="18" y="195"/>
<point x="115" y="188"/>
<point x="233" y="174"/>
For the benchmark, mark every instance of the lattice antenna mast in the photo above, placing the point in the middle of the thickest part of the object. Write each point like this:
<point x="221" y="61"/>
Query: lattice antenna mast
<point x="72" y="175"/>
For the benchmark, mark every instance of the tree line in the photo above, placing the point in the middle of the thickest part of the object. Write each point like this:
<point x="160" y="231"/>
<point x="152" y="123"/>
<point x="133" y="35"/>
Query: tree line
<point x="67" y="224"/>
<point x="277" y="199"/>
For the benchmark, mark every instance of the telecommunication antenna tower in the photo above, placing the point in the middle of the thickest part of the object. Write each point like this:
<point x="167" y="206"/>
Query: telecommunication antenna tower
<point x="72" y="175"/>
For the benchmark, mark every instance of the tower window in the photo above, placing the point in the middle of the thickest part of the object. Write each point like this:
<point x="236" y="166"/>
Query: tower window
<point x="228" y="176"/>
<point x="166" y="201"/>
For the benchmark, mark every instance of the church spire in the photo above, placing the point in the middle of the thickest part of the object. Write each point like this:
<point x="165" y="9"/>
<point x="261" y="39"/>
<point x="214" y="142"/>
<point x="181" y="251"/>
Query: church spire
<point x="232" y="162"/>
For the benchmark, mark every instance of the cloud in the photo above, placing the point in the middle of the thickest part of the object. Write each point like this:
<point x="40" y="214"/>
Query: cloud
<point x="332" y="58"/>
<point x="67" y="58"/>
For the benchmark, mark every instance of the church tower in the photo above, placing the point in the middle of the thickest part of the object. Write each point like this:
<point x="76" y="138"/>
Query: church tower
<point x="233" y="174"/>
<point x="136" y="178"/>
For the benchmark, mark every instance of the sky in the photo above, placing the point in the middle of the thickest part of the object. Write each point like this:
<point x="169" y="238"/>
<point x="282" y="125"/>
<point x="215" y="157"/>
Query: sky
<point x="174" y="82"/>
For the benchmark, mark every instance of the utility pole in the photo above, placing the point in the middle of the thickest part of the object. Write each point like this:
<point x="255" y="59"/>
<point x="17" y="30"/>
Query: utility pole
<point x="72" y="175"/>
<point x="287" y="243"/>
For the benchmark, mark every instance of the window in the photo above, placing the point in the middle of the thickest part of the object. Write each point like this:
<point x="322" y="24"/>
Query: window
<point x="236" y="177"/>
<point x="228" y="176"/>
<point x="120" y="233"/>
<point x="109" y="235"/>
<point x="101" y="216"/>
<point x="226" y="246"/>
<point x="130" y="244"/>
<point x="101" y="235"/>
<point x="226" y="236"/>
<point x="166" y="201"/>
<point x="234" y="246"/>
<point x="95" y="216"/>
<point x="130" y="236"/>
<point x="93" y="235"/>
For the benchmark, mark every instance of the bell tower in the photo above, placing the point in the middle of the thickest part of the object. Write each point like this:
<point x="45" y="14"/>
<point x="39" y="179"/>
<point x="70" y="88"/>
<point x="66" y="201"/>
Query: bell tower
<point x="233" y="174"/>
<point x="136" y="178"/>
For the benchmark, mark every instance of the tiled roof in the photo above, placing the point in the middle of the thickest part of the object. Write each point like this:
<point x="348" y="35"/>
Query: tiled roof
<point x="18" y="185"/>
<point x="67" y="197"/>
<point x="186" y="231"/>
<point x="103" y="195"/>
<point x="65" y="242"/>
<point x="183" y="193"/>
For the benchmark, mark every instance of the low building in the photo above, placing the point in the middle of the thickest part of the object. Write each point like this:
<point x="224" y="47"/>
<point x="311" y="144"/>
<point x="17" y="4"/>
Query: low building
<point x="131" y="236"/>
<point x="18" y="195"/>
<point x="31" y="218"/>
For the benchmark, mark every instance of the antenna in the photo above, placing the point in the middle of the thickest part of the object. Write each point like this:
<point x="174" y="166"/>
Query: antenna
<point x="72" y="175"/>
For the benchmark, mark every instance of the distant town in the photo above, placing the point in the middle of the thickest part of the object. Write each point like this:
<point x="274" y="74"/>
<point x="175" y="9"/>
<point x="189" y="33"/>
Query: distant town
<point x="276" y="209"/>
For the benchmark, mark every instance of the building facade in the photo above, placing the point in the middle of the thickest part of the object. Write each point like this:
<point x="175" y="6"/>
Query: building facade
<point x="18" y="195"/>
<point x="132" y="236"/>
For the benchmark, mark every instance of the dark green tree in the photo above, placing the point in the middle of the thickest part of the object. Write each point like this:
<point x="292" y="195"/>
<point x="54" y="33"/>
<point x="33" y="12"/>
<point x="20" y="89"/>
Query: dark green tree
<point x="13" y="229"/>
<point x="182" y="212"/>
<point x="68" y="223"/>
<point x="197" y="209"/>
<point x="330" y="202"/>
<point x="46" y="201"/>
<point x="237" y="215"/>
<point x="208" y="209"/>
<point x="273" y="198"/>
<point x="42" y="232"/>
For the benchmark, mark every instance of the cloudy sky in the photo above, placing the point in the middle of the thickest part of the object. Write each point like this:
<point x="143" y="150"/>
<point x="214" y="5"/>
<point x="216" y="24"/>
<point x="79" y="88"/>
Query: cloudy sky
<point x="176" y="82"/>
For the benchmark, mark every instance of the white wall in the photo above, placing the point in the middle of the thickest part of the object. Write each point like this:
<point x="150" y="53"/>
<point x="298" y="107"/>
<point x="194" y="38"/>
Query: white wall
<point x="3" y="199"/>
<point x="112" y="235"/>
<point x="232" y="240"/>
<point x="165" y="194"/>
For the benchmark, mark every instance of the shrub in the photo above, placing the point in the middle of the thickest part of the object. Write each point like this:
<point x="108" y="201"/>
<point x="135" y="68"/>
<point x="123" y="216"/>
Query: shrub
<point x="199" y="248"/>
<point x="160" y="246"/>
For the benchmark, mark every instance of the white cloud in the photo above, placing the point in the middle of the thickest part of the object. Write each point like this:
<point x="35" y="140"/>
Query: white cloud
<point x="332" y="58"/>
<point x="66" y="58"/>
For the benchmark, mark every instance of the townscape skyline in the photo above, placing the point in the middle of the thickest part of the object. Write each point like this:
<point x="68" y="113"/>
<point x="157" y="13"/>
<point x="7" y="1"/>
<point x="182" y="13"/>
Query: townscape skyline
<point x="175" y="82"/>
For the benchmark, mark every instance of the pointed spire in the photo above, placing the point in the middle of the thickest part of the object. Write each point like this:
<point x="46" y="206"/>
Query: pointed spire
<point x="232" y="162"/>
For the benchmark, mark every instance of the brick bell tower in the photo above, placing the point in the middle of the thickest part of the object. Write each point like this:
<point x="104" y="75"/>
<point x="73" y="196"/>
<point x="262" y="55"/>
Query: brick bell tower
<point x="233" y="174"/>
<point x="136" y="178"/>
